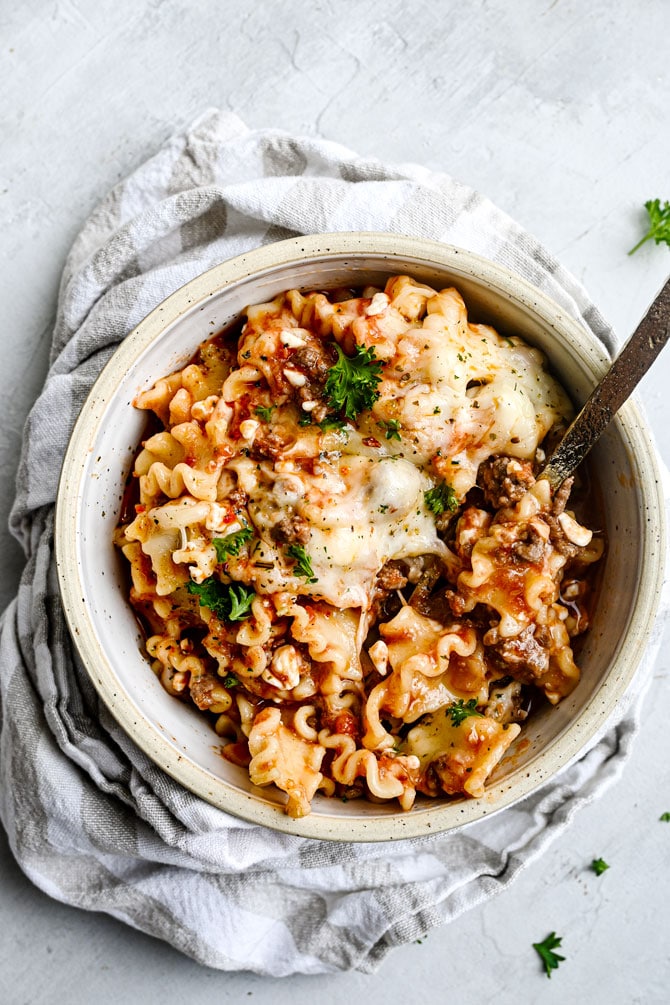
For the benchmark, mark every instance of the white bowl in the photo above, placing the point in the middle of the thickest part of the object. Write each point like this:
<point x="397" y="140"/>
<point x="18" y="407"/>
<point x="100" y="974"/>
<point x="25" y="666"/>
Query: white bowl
<point x="100" y="454"/>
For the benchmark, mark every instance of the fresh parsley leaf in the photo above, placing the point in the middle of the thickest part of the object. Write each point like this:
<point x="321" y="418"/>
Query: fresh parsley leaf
<point x="460" y="710"/>
<point x="547" y="954"/>
<point x="665" y="817"/>
<point x="228" y="601"/>
<point x="331" y="422"/>
<point x="305" y="420"/>
<point x="352" y="382"/>
<point x="230" y="680"/>
<point x="241" y="597"/>
<point x="599" y="865"/>
<point x="441" y="498"/>
<point x="659" y="224"/>
<point x="303" y="564"/>
<point x="231" y="543"/>
<point x="392" y="428"/>
<point x="264" y="413"/>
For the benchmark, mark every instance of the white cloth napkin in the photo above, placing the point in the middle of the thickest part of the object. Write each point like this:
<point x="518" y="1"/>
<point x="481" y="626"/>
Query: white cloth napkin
<point x="91" y="820"/>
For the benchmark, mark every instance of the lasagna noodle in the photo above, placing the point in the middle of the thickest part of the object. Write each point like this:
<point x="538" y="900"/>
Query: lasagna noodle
<point x="332" y="589"/>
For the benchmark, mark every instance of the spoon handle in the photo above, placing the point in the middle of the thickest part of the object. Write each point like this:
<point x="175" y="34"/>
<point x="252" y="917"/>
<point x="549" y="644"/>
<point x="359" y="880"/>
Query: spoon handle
<point x="608" y="396"/>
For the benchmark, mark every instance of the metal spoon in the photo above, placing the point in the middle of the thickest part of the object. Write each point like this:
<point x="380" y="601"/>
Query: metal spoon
<point x="626" y="371"/>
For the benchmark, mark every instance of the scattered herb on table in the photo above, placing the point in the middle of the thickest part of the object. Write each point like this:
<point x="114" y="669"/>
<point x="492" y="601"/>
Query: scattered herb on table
<point x="665" y="817"/>
<point x="231" y="544"/>
<point x="303" y="562"/>
<point x="599" y="865"/>
<point x="545" y="949"/>
<point x="228" y="601"/>
<point x="352" y="382"/>
<point x="659" y="224"/>
<point x="440" y="499"/>
<point x="460" y="710"/>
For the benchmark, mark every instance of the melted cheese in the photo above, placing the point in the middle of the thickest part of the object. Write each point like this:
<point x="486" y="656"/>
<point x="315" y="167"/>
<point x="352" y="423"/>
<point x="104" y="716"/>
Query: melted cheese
<point x="361" y="512"/>
<point x="453" y="394"/>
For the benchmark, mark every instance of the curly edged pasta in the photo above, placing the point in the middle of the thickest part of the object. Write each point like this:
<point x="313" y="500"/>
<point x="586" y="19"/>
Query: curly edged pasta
<point x="341" y="550"/>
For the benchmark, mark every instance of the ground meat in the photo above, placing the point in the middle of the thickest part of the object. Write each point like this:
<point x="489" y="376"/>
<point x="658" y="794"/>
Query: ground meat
<point x="315" y="361"/>
<point x="457" y="603"/>
<point x="445" y="521"/>
<point x="391" y="576"/>
<point x="561" y="543"/>
<point x="201" y="690"/>
<point x="523" y="656"/>
<point x="504" y="480"/>
<point x="561" y="497"/>
<point x="421" y="595"/>
<point x="271" y="444"/>
<point x="237" y="499"/>
<point x="291" y="529"/>
<point x="531" y="548"/>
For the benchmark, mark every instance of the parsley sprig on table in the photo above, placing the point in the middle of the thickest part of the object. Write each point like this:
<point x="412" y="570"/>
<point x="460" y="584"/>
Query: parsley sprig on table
<point x="599" y="865"/>
<point x="231" y="544"/>
<point x="352" y="382"/>
<point x="659" y="223"/>
<point x="228" y="601"/>
<point x="460" y="710"/>
<point x="303" y="563"/>
<point x="440" y="499"/>
<point x="547" y="954"/>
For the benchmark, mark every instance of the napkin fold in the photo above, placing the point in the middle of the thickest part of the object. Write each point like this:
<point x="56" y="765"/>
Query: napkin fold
<point x="90" y="819"/>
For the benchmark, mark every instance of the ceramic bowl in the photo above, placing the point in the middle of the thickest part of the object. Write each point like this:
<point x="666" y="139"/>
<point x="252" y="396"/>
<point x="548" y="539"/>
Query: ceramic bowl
<point x="105" y="439"/>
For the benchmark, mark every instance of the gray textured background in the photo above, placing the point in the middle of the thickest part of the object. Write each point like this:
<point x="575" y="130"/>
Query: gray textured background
<point x="559" y="112"/>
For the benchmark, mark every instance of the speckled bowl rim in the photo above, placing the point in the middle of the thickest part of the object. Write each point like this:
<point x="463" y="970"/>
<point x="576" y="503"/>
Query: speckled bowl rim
<point x="248" y="806"/>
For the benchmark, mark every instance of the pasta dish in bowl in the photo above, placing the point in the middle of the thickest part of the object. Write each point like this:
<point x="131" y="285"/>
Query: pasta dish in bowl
<point x="340" y="552"/>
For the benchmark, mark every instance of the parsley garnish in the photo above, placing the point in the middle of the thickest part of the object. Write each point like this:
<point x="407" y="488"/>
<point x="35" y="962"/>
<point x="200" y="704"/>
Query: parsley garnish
<point x="231" y="544"/>
<point x="303" y="563"/>
<point x="331" y="422"/>
<point x="599" y="865"/>
<point x="460" y="710"/>
<point x="659" y="223"/>
<point x="665" y="817"/>
<point x="228" y="601"/>
<point x="230" y="680"/>
<point x="264" y="413"/>
<point x="441" y="498"/>
<point x="352" y="382"/>
<point x="392" y="428"/>
<point x="547" y="955"/>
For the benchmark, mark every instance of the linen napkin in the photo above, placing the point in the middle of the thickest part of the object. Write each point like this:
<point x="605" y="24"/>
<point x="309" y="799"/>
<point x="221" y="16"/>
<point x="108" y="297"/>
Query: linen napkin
<point x="90" y="819"/>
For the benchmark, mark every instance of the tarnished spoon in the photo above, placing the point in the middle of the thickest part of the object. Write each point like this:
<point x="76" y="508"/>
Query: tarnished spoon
<point x="619" y="382"/>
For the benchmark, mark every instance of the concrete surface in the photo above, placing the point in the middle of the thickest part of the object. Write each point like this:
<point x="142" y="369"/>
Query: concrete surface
<point x="556" y="110"/>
